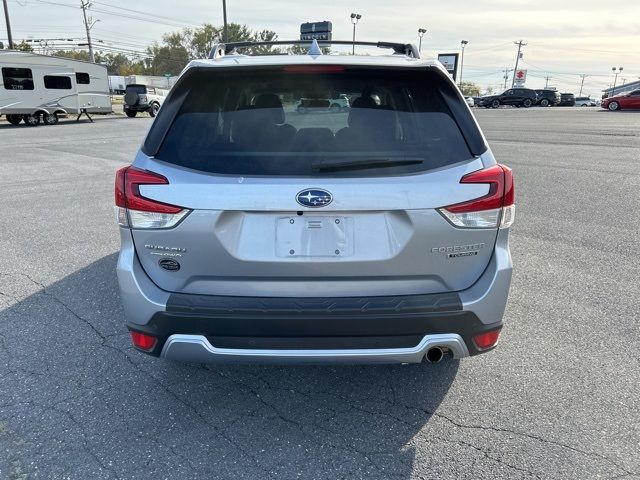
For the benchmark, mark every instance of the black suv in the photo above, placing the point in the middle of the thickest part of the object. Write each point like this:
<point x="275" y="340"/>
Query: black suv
<point x="518" y="97"/>
<point x="547" y="97"/>
<point x="567" y="100"/>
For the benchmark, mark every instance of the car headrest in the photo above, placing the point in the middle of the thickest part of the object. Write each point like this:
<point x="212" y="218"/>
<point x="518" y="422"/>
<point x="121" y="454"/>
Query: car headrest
<point x="272" y="105"/>
<point x="358" y="112"/>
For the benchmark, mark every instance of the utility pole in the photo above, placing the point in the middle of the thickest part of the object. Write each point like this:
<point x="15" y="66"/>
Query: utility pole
<point x="546" y="83"/>
<point x="224" y="17"/>
<point x="506" y="76"/>
<point x="520" y="44"/>
<point x="88" y="25"/>
<point x="6" y="18"/>
<point x="582" y="84"/>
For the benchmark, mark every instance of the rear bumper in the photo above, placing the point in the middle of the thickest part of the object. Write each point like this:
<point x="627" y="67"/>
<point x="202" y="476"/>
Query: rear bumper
<point x="379" y="329"/>
<point x="198" y="349"/>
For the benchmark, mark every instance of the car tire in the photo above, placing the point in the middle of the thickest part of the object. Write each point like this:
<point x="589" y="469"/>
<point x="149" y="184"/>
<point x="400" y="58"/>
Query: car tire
<point x="614" y="106"/>
<point x="14" y="119"/>
<point x="544" y="102"/>
<point x="50" y="119"/>
<point x="527" y="103"/>
<point x="495" y="104"/>
<point x="32" y="120"/>
<point x="131" y="114"/>
<point x="153" y="109"/>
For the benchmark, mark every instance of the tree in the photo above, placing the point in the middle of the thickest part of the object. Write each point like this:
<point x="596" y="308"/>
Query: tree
<point x="470" y="89"/>
<point x="167" y="59"/>
<point x="23" y="47"/>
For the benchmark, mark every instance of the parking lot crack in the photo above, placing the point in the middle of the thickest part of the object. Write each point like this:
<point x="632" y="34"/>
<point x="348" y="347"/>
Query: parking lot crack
<point x="80" y="426"/>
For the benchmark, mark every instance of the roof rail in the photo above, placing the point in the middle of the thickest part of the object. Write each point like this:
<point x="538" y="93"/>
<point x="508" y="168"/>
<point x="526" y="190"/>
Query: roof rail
<point x="222" y="49"/>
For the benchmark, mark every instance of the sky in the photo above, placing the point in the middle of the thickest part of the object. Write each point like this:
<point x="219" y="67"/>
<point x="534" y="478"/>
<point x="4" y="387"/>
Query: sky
<point x="565" y="38"/>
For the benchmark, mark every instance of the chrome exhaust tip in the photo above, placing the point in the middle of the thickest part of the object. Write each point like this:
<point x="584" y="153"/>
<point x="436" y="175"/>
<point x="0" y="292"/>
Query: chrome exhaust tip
<point x="434" y="355"/>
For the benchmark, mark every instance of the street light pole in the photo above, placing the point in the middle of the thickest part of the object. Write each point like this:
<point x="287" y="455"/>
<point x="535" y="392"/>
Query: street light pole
<point x="6" y="18"/>
<point x="421" y="32"/>
<point x="463" y="44"/>
<point x="615" y="79"/>
<point x="354" y="19"/>
<point x="224" y="18"/>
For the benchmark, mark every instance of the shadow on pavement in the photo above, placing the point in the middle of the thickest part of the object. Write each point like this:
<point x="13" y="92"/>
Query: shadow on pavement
<point x="78" y="401"/>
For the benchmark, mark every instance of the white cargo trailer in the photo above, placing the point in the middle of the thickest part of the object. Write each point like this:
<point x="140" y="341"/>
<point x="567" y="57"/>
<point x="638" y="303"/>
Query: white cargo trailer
<point x="38" y="88"/>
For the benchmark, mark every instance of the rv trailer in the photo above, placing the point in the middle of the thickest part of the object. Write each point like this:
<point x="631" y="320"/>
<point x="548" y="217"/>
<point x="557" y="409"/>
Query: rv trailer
<point x="37" y="88"/>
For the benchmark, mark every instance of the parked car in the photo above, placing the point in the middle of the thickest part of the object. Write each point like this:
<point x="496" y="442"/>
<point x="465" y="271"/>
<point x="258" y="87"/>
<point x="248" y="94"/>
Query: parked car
<point x="567" y="100"/>
<point x="623" y="101"/>
<point x="338" y="103"/>
<point x="470" y="101"/>
<point x="547" y="97"/>
<point x="142" y="98"/>
<point x="517" y="97"/>
<point x="254" y="234"/>
<point x="585" y="102"/>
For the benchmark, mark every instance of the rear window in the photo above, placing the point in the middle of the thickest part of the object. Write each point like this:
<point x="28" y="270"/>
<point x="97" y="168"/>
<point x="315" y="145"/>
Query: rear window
<point x="300" y="122"/>
<point x="137" y="89"/>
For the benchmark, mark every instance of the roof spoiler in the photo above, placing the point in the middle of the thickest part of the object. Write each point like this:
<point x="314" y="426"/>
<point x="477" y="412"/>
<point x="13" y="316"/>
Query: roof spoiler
<point x="222" y="49"/>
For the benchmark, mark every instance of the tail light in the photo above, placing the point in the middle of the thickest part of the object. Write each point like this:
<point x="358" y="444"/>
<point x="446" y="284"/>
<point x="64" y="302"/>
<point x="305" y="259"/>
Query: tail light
<point x="486" y="340"/>
<point x="143" y="341"/>
<point x="135" y="211"/>
<point x="495" y="209"/>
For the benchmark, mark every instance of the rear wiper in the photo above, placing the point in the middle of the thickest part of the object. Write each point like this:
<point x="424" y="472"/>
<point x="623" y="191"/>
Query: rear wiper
<point x="355" y="163"/>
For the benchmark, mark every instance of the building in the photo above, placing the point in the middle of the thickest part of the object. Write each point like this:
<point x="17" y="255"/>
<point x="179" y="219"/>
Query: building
<point x="620" y="88"/>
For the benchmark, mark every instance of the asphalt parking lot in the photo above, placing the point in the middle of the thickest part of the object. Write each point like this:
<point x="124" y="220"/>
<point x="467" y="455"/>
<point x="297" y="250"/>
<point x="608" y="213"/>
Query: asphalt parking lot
<point x="559" y="398"/>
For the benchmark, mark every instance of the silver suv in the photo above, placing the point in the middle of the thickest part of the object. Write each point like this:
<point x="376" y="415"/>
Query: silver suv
<point x="254" y="233"/>
<point x="141" y="98"/>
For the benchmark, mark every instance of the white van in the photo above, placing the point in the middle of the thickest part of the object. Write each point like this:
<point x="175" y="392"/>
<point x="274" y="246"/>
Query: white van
<point x="35" y="88"/>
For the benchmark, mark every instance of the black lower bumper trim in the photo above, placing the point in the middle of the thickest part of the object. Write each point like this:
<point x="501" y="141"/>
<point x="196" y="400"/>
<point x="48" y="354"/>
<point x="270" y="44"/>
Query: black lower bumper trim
<point x="292" y="323"/>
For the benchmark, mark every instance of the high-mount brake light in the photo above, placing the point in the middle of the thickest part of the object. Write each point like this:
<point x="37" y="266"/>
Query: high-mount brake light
<point x="493" y="210"/>
<point x="313" y="68"/>
<point x="136" y="211"/>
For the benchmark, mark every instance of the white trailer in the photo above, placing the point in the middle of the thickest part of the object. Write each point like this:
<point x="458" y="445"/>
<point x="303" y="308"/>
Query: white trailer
<point x="37" y="87"/>
<point x="117" y="84"/>
<point x="151" y="81"/>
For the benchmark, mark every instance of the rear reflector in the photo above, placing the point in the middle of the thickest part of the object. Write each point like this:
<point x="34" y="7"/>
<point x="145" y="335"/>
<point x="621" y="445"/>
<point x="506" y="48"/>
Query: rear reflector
<point x="137" y="211"/>
<point x="143" y="341"/>
<point x="493" y="210"/>
<point x="486" y="340"/>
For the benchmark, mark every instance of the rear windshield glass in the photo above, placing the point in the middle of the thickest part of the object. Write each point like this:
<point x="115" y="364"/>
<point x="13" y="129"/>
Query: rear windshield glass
<point x="324" y="121"/>
<point x="137" y="88"/>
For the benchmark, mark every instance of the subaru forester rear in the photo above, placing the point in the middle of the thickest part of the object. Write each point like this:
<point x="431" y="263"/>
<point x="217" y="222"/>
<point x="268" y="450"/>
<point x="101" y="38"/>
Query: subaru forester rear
<point x="252" y="232"/>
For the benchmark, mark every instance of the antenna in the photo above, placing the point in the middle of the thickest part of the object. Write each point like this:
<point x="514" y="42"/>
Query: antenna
<point x="315" y="48"/>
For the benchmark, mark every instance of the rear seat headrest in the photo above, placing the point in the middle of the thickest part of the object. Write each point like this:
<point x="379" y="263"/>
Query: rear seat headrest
<point x="272" y="102"/>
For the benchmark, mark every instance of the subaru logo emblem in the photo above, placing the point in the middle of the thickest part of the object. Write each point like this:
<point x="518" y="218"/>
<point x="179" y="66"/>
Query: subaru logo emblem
<point x="314" y="198"/>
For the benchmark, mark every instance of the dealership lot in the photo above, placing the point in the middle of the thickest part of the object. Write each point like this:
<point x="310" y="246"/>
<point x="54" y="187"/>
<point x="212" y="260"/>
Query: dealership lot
<point x="559" y="398"/>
